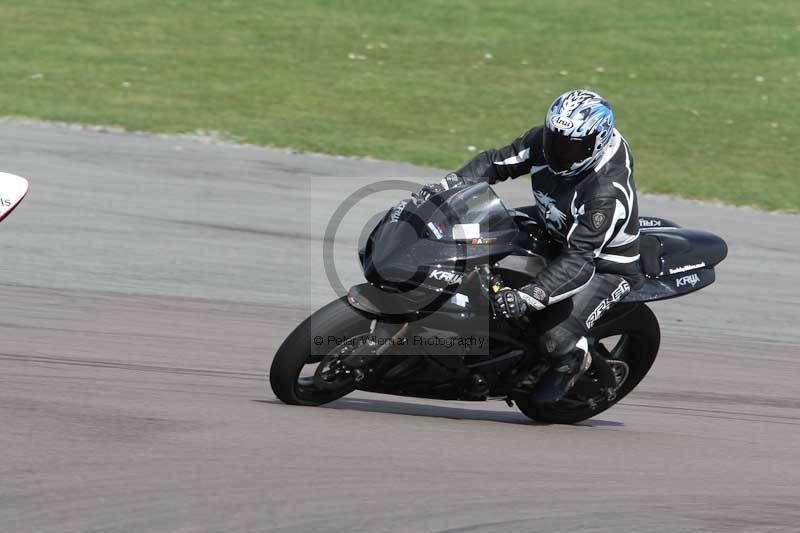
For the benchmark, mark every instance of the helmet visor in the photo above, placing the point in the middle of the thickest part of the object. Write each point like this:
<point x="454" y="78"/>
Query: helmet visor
<point x="561" y="152"/>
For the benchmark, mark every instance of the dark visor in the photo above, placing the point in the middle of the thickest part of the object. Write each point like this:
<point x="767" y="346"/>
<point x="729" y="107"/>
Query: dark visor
<point x="562" y="152"/>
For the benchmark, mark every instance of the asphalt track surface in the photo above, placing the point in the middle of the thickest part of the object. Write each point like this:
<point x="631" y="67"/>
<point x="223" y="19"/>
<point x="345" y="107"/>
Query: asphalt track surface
<point x="147" y="280"/>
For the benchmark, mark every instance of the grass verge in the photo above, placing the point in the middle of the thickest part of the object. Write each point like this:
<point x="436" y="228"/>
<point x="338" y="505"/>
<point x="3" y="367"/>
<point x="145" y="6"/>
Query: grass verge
<point x="705" y="92"/>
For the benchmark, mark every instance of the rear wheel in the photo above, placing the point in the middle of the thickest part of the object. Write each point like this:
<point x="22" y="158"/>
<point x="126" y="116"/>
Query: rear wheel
<point x="307" y="372"/>
<point x="630" y="335"/>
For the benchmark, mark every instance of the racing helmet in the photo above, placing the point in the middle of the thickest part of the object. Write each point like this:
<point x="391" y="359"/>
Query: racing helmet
<point x="577" y="130"/>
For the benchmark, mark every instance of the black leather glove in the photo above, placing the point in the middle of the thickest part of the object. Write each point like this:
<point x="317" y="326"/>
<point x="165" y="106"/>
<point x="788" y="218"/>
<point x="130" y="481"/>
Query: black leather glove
<point x="432" y="189"/>
<point x="516" y="304"/>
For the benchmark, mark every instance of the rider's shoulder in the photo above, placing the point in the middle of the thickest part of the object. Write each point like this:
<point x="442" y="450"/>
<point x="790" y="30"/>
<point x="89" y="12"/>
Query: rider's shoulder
<point x="533" y="136"/>
<point x="597" y="185"/>
<point x="617" y="161"/>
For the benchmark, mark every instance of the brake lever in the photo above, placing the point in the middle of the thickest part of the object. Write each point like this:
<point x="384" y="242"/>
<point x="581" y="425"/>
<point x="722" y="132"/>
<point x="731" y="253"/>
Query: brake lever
<point x="490" y="285"/>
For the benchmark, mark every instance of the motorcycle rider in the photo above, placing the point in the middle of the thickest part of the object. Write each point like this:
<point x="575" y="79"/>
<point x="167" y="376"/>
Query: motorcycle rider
<point x="582" y="179"/>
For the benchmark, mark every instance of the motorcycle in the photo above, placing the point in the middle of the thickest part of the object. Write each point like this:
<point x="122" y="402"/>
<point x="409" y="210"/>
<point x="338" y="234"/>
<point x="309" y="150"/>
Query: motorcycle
<point x="425" y="325"/>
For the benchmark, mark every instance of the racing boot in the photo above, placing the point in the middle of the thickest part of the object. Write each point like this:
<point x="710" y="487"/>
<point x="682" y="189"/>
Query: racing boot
<point x="562" y="375"/>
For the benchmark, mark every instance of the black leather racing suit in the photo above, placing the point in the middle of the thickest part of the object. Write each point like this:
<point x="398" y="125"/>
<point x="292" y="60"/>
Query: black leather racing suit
<point x="594" y="219"/>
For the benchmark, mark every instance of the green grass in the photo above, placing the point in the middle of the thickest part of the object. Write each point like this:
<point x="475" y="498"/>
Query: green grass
<point x="705" y="92"/>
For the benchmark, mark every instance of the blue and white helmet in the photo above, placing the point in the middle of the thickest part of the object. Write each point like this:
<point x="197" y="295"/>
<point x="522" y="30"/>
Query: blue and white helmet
<point x="578" y="129"/>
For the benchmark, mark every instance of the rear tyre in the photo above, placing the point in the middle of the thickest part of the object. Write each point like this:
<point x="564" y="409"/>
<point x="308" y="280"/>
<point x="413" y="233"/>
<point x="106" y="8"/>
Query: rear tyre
<point x="337" y="319"/>
<point x="639" y="339"/>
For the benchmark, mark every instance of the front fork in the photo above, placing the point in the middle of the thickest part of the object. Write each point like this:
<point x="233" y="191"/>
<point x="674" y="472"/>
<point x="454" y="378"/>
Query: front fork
<point x="367" y="353"/>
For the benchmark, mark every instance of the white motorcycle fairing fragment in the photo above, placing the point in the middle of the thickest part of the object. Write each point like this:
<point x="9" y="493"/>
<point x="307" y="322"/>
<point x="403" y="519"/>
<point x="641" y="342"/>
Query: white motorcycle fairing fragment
<point x="12" y="190"/>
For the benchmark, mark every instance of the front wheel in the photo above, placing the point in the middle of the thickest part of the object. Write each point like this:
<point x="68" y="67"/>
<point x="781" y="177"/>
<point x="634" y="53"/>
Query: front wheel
<point x="341" y="328"/>
<point x="629" y="335"/>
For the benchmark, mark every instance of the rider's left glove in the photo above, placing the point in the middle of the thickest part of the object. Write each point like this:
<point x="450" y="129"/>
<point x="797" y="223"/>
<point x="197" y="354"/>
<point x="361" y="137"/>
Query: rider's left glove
<point x="432" y="189"/>
<point x="516" y="304"/>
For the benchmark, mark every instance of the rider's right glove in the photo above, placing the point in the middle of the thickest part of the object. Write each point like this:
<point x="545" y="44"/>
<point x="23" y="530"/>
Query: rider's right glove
<point x="432" y="189"/>
<point x="516" y="304"/>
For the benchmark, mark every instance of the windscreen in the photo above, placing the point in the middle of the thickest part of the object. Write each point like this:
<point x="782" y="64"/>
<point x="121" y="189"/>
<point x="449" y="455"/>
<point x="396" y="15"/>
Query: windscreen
<point x="472" y="213"/>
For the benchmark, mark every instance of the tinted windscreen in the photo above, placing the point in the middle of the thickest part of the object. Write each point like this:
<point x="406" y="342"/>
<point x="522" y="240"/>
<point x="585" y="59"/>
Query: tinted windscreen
<point x="470" y="213"/>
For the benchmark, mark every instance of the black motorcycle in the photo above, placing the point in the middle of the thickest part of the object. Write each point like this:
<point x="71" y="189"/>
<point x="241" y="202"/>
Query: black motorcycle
<point x="425" y="324"/>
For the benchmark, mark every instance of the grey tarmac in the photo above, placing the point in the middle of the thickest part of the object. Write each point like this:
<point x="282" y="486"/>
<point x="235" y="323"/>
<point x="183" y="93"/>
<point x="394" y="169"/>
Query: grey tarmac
<point x="147" y="281"/>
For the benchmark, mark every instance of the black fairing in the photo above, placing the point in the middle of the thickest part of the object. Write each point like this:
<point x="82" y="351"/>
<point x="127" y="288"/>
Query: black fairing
<point x="415" y="246"/>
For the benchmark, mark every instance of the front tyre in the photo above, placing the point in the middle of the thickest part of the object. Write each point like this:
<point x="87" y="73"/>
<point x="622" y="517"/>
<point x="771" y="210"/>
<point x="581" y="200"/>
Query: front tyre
<point x="636" y="337"/>
<point x="336" y="320"/>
